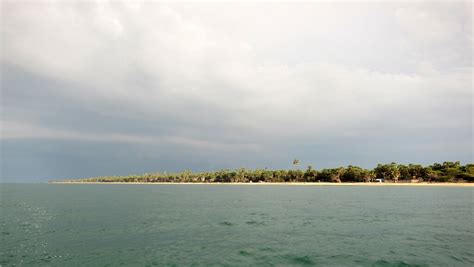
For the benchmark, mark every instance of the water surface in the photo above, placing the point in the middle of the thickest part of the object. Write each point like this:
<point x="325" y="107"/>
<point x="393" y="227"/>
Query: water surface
<point x="233" y="225"/>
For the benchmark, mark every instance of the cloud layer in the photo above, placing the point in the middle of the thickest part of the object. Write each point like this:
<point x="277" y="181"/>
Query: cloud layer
<point x="208" y="86"/>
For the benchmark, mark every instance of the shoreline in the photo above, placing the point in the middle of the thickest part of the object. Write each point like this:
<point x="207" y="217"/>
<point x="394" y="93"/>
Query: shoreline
<point x="276" y="183"/>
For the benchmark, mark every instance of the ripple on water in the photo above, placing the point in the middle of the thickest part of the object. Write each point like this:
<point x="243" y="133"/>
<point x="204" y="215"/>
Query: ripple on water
<point x="266" y="249"/>
<point x="300" y="260"/>
<point x="456" y="258"/>
<point x="380" y="263"/>
<point x="222" y="234"/>
<point x="256" y="223"/>
<point x="245" y="253"/>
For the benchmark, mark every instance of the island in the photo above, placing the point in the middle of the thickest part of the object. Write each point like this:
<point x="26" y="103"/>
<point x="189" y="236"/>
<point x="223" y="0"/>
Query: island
<point x="393" y="173"/>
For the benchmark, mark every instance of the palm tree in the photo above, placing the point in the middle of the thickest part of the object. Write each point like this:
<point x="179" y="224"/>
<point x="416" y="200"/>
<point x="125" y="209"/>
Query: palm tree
<point x="295" y="163"/>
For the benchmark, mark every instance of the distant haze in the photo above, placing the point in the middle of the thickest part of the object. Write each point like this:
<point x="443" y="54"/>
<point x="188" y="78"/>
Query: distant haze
<point x="97" y="88"/>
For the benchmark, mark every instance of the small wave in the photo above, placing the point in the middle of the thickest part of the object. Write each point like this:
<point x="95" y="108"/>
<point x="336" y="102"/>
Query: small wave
<point x="244" y="253"/>
<point x="266" y="249"/>
<point x="255" y="223"/>
<point x="455" y="258"/>
<point x="300" y="260"/>
<point x="395" y="263"/>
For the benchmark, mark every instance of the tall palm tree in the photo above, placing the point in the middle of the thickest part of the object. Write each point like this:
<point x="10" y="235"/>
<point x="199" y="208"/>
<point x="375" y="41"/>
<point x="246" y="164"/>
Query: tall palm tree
<point x="295" y="163"/>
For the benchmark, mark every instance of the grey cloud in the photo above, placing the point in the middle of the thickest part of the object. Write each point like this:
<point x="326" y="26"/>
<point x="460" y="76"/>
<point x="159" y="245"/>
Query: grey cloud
<point x="206" y="86"/>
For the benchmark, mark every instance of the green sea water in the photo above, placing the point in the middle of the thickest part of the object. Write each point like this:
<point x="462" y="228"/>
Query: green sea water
<point x="235" y="225"/>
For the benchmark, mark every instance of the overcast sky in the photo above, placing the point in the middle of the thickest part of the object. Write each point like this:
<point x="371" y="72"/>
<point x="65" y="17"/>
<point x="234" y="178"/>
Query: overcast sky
<point x="95" y="88"/>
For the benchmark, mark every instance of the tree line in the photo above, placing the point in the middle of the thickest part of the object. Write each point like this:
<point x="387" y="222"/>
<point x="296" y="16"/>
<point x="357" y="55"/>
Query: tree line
<point x="445" y="172"/>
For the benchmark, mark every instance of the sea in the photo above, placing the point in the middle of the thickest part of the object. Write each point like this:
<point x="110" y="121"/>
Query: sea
<point x="235" y="225"/>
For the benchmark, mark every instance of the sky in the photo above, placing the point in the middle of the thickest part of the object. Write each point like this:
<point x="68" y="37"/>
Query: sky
<point x="125" y="87"/>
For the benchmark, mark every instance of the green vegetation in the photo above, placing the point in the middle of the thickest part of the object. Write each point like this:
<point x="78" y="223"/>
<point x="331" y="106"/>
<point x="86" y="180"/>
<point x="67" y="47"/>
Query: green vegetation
<point x="446" y="172"/>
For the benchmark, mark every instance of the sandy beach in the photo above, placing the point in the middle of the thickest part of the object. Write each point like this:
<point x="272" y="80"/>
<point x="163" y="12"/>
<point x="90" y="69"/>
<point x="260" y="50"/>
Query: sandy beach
<point x="271" y="184"/>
